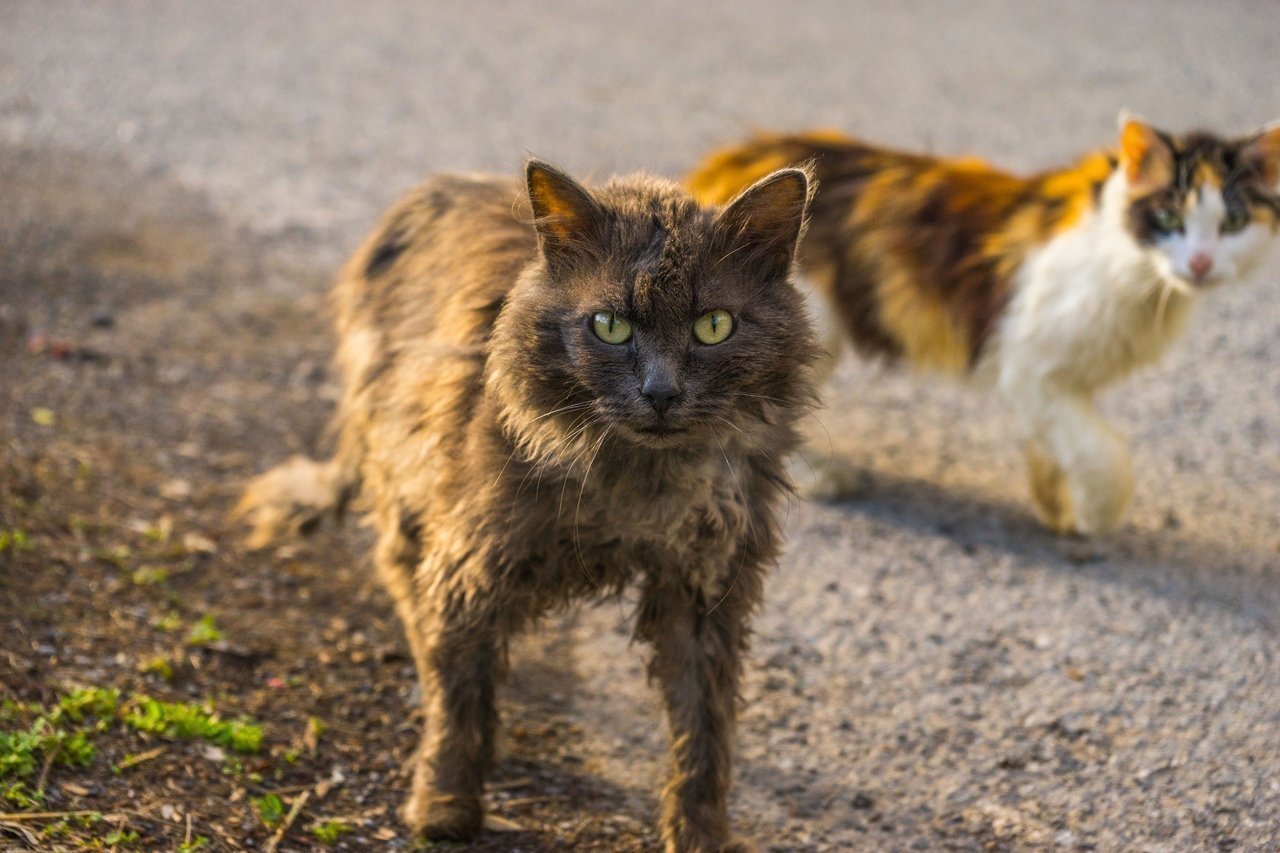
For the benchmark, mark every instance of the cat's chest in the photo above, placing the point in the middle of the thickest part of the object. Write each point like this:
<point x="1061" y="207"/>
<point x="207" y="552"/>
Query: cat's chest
<point x="691" y="514"/>
<point x="1087" y="311"/>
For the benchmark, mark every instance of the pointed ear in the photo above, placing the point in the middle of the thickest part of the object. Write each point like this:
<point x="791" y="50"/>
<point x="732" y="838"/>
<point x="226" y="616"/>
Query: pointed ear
<point x="1145" y="155"/>
<point x="568" y="219"/>
<point x="1261" y="155"/>
<point x="765" y="221"/>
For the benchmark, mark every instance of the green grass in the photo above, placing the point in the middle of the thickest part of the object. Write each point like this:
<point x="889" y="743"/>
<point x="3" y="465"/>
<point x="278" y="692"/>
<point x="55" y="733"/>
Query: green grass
<point x="270" y="810"/>
<point x="186" y="720"/>
<point x="150" y="575"/>
<point x="35" y="738"/>
<point x="157" y="666"/>
<point x="97" y="701"/>
<point x="204" y="632"/>
<point x="57" y="736"/>
<point x="329" y="831"/>
<point x="16" y="539"/>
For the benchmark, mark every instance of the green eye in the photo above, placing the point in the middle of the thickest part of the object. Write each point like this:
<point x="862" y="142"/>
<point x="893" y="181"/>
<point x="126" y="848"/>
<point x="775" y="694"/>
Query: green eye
<point x="1235" y="220"/>
<point x="713" y="327"/>
<point x="1168" y="219"/>
<point x="611" y="328"/>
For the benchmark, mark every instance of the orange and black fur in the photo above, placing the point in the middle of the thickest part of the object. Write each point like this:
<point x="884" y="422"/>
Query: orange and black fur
<point x="1048" y="286"/>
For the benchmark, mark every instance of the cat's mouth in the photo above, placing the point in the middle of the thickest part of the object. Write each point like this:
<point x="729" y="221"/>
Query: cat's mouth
<point x="658" y="435"/>
<point x="662" y="429"/>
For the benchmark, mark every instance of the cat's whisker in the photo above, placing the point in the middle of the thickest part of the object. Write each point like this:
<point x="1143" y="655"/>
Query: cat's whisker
<point x="569" y="408"/>
<point x="763" y="451"/>
<point x="1163" y="304"/>
<point x="549" y="454"/>
<point x="810" y="413"/>
<point x="569" y="467"/>
<point x="577" y="544"/>
<point x="751" y="531"/>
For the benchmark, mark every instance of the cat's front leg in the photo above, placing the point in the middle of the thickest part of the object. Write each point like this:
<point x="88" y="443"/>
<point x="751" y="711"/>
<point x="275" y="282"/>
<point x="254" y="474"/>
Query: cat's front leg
<point x="1102" y="486"/>
<point x="1050" y="491"/>
<point x="1081" y="476"/>
<point x="459" y="651"/>
<point x="697" y="661"/>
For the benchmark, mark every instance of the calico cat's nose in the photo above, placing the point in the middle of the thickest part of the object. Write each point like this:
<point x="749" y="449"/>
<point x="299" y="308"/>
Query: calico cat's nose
<point x="1201" y="264"/>
<point x="660" y="389"/>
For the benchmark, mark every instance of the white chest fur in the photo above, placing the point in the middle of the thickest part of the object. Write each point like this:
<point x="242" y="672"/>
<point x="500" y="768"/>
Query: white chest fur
<point x="1088" y="307"/>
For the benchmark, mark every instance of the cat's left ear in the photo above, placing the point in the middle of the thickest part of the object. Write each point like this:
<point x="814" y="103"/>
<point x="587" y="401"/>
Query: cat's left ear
<point x="1145" y="155"/>
<point x="568" y="219"/>
<point x="1261" y="155"/>
<point x="765" y="221"/>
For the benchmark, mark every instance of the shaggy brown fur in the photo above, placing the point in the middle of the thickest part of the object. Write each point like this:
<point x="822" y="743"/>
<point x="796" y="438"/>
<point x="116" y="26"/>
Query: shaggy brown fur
<point x="516" y="461"/>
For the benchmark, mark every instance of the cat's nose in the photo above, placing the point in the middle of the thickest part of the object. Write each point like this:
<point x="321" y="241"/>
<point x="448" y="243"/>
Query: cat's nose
<point x="661" y="390"/>
<point x="1201" y="263"/>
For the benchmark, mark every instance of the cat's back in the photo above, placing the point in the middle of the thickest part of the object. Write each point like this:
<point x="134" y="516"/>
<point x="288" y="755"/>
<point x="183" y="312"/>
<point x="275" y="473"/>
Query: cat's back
<point x="415" y="307"/>
<point x="436" y="269"/>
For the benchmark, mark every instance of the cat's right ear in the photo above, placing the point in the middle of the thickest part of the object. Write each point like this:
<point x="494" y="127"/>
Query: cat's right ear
<point x="1261" y="155"/>
<point x="568" y="220"/>
<point x="1145" y="155"/>
<point x="766" y="220"/>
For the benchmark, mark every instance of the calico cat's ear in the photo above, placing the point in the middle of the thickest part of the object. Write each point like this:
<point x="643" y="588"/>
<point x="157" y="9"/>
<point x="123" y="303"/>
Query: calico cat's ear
<point x="568" y="219"/>
<point x="1261" y="155"/>
<point x="765" y="221"/>
<point x="1145" y="155"/>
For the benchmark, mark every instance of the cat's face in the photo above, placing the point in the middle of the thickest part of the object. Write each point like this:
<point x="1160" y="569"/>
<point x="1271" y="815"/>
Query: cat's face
<point x="1203" y="208"/>
<point x="653" y="319"/>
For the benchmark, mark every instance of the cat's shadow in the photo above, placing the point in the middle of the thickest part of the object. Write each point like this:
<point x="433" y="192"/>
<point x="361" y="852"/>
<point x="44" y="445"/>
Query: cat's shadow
<point x="1167" y="560"/>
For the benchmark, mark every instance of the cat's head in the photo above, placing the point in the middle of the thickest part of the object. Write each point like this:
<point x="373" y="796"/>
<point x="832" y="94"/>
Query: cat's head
<point x="650" y="318"/>
<point x="1202" y="207"/>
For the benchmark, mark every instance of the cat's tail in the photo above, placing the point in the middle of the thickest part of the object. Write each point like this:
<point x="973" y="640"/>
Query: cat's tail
<point x="295" y="497"/>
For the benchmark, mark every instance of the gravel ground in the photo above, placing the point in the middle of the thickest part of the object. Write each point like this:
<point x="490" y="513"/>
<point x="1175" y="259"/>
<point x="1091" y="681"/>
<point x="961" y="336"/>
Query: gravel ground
<point x="931" y="670"/>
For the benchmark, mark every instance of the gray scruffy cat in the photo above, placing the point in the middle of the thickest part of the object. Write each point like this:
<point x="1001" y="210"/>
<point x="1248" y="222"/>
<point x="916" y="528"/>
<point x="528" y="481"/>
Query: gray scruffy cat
<point x="547" y="411"/>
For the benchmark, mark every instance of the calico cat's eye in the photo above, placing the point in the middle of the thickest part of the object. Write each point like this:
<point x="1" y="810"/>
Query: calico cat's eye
<point x="1235" y="220"/>
<point x="1168" y="219"/>
<point x="611" y="328"/>
<point x="713" y="327"/>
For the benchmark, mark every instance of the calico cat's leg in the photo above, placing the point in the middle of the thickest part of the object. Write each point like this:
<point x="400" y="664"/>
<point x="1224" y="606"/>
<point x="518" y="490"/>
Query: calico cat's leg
<point x="459" y="649"/>
<point x="1090" y="454"/>
<point x="1049" y="489"/>
<point x="820" y="475"/>
<point x="697" y="663"/>
<point x="816" y="471"/>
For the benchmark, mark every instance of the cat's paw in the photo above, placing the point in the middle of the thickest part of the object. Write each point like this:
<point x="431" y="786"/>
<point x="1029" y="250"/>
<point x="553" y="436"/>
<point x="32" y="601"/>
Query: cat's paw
<point x="443" y="817"/>
<point x="710" y="845"/>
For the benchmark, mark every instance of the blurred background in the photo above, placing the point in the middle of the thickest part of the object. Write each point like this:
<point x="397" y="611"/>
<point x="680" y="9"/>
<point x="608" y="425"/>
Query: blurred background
<point x="178" y="183"/>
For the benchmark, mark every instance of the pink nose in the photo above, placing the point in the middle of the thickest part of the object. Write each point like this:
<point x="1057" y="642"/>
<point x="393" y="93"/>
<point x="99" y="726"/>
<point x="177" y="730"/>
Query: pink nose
<point x="1200" y="263"/>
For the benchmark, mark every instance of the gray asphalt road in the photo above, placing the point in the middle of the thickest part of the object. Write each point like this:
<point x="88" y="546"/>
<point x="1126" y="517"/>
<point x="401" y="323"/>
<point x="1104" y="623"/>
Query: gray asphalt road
<point x="930" y="668"/>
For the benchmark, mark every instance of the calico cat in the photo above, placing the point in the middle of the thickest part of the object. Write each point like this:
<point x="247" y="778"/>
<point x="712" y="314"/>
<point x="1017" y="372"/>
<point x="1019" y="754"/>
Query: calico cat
<point x="1048" y="287"/>
<point x="551" y="395"/>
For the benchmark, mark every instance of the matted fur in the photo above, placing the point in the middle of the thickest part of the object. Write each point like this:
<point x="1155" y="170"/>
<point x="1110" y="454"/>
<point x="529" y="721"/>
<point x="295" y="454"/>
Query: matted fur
<point x="513" y="464"/>
<point x="1050" y="286"/>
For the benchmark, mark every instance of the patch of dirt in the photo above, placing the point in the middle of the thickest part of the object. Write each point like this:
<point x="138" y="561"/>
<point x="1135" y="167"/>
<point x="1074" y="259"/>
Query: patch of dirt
<point x="152" y="358"/>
